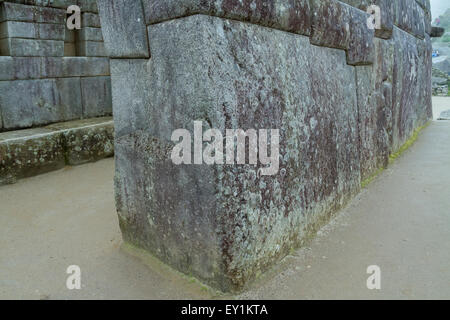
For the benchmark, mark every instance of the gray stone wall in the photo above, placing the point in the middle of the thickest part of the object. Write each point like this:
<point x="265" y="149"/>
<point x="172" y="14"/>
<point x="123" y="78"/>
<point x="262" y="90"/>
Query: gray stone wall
<point x="48" y="73"/>
<point x="343" y="96"/>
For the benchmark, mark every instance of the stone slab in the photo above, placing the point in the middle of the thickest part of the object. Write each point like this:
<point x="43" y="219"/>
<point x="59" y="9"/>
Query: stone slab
<point x="96" y="96"/>
<point x="31" y="48"/>
<point x="28" y="103"/>
<point x="124" y="28"/>
<point x="26" y="153"/>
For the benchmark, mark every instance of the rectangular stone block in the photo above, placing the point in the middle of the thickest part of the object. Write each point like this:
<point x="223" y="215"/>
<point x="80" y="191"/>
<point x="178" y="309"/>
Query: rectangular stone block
<point x="26" y="153"/>
<point x="287" y="15"/>
<point x="89" y="19"/>
<point x="69" y="36"/>
<point x="31" y="48"/>
<point x="6" y="68"/>
<point x="123" y="25"/>
<point x="386" y="10"/>
<point x="91" y="49"/>
<point x="337" y="25"/>
<point x="27" y="103"/>
<point x="411" y="86"/>
<point x="86" y="140"/>
<point x="88" y="5"/>
<point x="89" y="34"/>
<point x="85" y="66"/>
<point x="29" y="13"/>
<point x="22" y="68"/>
<point x="221" y="231"/>
<point x="410" y="17"/>
<point x="30" y="30"/>
<point x="96" y="96"/>
<point x="70" y="50"/>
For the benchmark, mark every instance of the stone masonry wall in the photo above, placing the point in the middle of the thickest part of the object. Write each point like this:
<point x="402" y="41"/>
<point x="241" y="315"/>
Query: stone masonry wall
<point x="343" y="96"/>
<point x="48" y="73"/>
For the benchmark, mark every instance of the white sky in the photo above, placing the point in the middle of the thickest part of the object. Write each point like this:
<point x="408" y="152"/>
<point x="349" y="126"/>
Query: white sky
<point x="438" y="7"/>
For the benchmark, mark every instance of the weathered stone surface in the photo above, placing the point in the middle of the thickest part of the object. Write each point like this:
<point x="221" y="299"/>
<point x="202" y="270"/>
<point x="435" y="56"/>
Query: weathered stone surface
<point x="85" y="66"/>
<point x="86" y="140"/>
<point x="195" y="228"/>
<point x="27" y="103"/>
<point x="44" y="31"/>
<point x="69" y="36"/>
<point x="343" y="100"/>
<point x="386" y="10"/>
<point x="88" y="5"/>
<point x="22" y="68"/>
<point x="445" y="115"/>
<point x="124" y="28"/>
<point x="29" y="13"/>
<point x="90" y="34"/>
<point x="374" y="90"/>
<point x="336" y="25"/>
<point x="96" y="96"/>
<point x="31" y="47"/>
<point x="410" y="17"/>
<point x="89" y="19"/>
<point x="288" y="15"/>
<point x="25" y="153"/>
<point x="62" y="4"/>
<point x="91" y="49"/>
<point x="411" y="85"/>
<point x="437" y="32"/>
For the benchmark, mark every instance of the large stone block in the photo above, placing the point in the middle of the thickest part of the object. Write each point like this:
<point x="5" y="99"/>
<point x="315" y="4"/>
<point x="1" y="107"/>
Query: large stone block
<point x="26" y="153"/>
<point x="86" y="140"/>
<point x="96" y="96"/>
<point x="27" y="103"/>
<point x="337" y="25"/>
<point x="374" y="90"/>
<point x="386" y="11"/>
<point x="62" y="4"/>
<point x="90" y="34"/>
<point x="31" y="48"/>
<point x="88" y="5"/>
<point x="230" y="223"/>
<point x="29" y="13"/>
<point x="288" y="15"/>
<point x="89" y="19"/>
<point x="91" y="49"/>
<point x="30" y="30"/>
<point x="124" y="30"/>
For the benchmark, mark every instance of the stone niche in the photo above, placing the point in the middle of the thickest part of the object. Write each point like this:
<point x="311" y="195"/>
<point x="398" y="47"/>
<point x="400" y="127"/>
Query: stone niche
<point x="343" y="97"/>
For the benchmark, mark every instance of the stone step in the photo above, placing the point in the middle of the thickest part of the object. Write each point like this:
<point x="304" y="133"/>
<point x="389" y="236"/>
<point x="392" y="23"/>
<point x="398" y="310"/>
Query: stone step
<point x="26" y="153"/>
